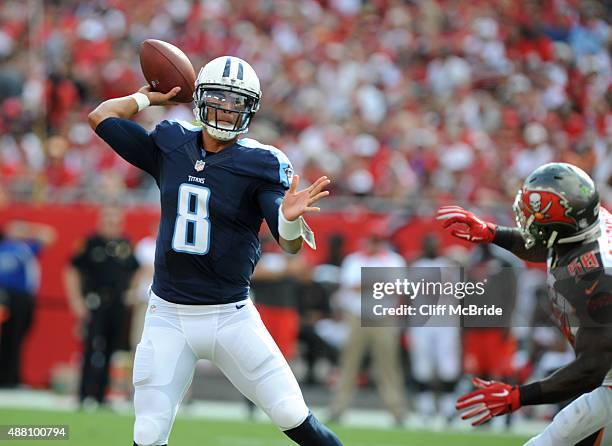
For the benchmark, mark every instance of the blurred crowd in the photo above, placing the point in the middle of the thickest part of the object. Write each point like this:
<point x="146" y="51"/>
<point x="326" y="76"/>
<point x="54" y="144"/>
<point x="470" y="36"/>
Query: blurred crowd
<point x="402" y="100"/>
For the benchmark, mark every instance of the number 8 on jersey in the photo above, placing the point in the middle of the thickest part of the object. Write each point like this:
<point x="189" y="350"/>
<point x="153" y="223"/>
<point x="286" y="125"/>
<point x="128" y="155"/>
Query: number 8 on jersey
<point x="192" y="226"/>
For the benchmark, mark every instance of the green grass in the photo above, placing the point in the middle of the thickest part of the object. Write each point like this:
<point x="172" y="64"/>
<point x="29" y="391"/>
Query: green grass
<point x="106" y="428"/>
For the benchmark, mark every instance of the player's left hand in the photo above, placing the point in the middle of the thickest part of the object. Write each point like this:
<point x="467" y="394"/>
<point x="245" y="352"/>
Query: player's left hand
<point x="296" y="203"/>
<point x="466" y="225"/>
<point x="490" y="399"/>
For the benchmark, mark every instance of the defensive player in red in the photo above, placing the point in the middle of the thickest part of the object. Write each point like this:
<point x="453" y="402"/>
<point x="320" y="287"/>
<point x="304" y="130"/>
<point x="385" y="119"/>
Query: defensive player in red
<point x="560" y="222"/>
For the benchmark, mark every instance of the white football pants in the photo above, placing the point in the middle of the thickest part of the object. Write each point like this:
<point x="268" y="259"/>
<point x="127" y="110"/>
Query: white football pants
<point x="588" y="416"/>
<point x="234" y="338"/>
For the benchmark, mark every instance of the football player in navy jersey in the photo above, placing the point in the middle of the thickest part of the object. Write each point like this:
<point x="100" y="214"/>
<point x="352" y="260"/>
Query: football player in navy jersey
<point x="560" y="222"/>
<point x="216" y="190"/>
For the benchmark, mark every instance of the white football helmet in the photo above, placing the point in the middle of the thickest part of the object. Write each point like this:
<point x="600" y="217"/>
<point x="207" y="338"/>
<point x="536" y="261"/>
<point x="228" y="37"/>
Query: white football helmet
<point x="226" y="87"/>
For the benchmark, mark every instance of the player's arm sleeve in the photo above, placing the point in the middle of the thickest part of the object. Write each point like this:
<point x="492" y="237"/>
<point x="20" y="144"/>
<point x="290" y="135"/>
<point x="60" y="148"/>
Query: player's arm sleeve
<point x="269" y="198"/>
<point x="511" y="240"/>
<point x="583" y="375"/>
<point x="132" y="142"/>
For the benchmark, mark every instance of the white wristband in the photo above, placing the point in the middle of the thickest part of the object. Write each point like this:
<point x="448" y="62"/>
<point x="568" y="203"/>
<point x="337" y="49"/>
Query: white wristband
<point x="289" y="230"/>
<point x="141" y="100"/>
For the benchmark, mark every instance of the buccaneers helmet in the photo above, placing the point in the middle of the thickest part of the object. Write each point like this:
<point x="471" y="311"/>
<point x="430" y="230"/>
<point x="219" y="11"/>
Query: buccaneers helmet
<point x="557" y="204"/>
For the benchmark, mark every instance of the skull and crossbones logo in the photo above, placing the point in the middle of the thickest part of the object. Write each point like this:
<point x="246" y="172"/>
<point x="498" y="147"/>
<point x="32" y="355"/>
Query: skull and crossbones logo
<point x="535" y="203"/>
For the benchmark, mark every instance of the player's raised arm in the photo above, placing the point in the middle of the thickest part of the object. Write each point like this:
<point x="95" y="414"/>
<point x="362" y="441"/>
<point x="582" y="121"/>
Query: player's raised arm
<point x="111" y="122"/>
<point x="128" y="106"/>
<point x="466" y="225"/>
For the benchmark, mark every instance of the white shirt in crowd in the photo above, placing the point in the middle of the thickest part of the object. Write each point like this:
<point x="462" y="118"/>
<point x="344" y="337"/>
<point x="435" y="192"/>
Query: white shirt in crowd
<point x="348" y="298"/>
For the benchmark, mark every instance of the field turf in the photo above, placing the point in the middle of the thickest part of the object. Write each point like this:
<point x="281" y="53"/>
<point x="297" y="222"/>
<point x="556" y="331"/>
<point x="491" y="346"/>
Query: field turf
<point x="105" y="428"/>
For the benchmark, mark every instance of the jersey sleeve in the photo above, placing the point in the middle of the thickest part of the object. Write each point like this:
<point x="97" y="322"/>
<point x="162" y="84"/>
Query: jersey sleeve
<point x="132" y="142"/>
<point x="266" y="163"/>
<point x="269" y="198"/>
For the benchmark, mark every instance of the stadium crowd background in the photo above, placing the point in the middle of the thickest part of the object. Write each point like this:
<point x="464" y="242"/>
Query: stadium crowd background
<point x="394" y="99"/>
<point x="401" y="103"/>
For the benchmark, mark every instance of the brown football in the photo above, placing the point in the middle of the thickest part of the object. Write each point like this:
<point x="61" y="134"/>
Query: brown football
<point x="165" y="66"/>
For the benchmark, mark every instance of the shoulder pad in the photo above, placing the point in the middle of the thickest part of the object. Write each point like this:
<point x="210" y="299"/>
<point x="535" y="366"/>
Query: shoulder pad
<point x="171" y="134"/>
<point x="265" y="162"/>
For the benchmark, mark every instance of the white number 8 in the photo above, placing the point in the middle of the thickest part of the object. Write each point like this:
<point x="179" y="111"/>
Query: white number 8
<point x="192" y="226"/>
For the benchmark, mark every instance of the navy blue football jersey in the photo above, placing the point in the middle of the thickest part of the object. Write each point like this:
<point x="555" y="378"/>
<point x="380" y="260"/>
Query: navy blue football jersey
<point x="212" y="206"/>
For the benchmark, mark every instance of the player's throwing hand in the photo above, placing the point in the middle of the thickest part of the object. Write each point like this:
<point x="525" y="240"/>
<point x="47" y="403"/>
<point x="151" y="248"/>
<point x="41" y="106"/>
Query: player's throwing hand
<point x="157" y="98"/>
<point x="295" y="204"/>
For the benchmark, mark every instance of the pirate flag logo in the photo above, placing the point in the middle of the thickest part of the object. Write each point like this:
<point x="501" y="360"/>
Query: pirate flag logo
<point x="547" y="207"/>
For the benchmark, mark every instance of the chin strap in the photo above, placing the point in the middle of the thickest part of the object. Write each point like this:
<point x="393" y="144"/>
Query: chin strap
<point x="551" y="239"/>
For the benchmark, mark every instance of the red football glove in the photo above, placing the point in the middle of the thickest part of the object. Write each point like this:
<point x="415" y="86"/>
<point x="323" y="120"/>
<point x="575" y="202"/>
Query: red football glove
<point x="491" y="399"/>
<point x="465" y="225"/>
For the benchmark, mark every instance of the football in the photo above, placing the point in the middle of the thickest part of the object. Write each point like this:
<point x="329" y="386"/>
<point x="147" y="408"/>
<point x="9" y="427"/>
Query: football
<point x="165" y="66"/>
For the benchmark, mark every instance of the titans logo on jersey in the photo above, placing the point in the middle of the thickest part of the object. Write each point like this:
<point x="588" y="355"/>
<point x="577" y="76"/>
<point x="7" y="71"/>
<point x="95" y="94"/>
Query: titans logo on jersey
<point x="212" y="206"/>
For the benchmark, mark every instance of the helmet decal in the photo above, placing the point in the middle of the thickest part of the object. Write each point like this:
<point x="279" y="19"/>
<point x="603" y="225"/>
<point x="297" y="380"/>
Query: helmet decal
<point x="228" y="65"/>
<point x="547" y="207"/>
<point x="240" y="75"/>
